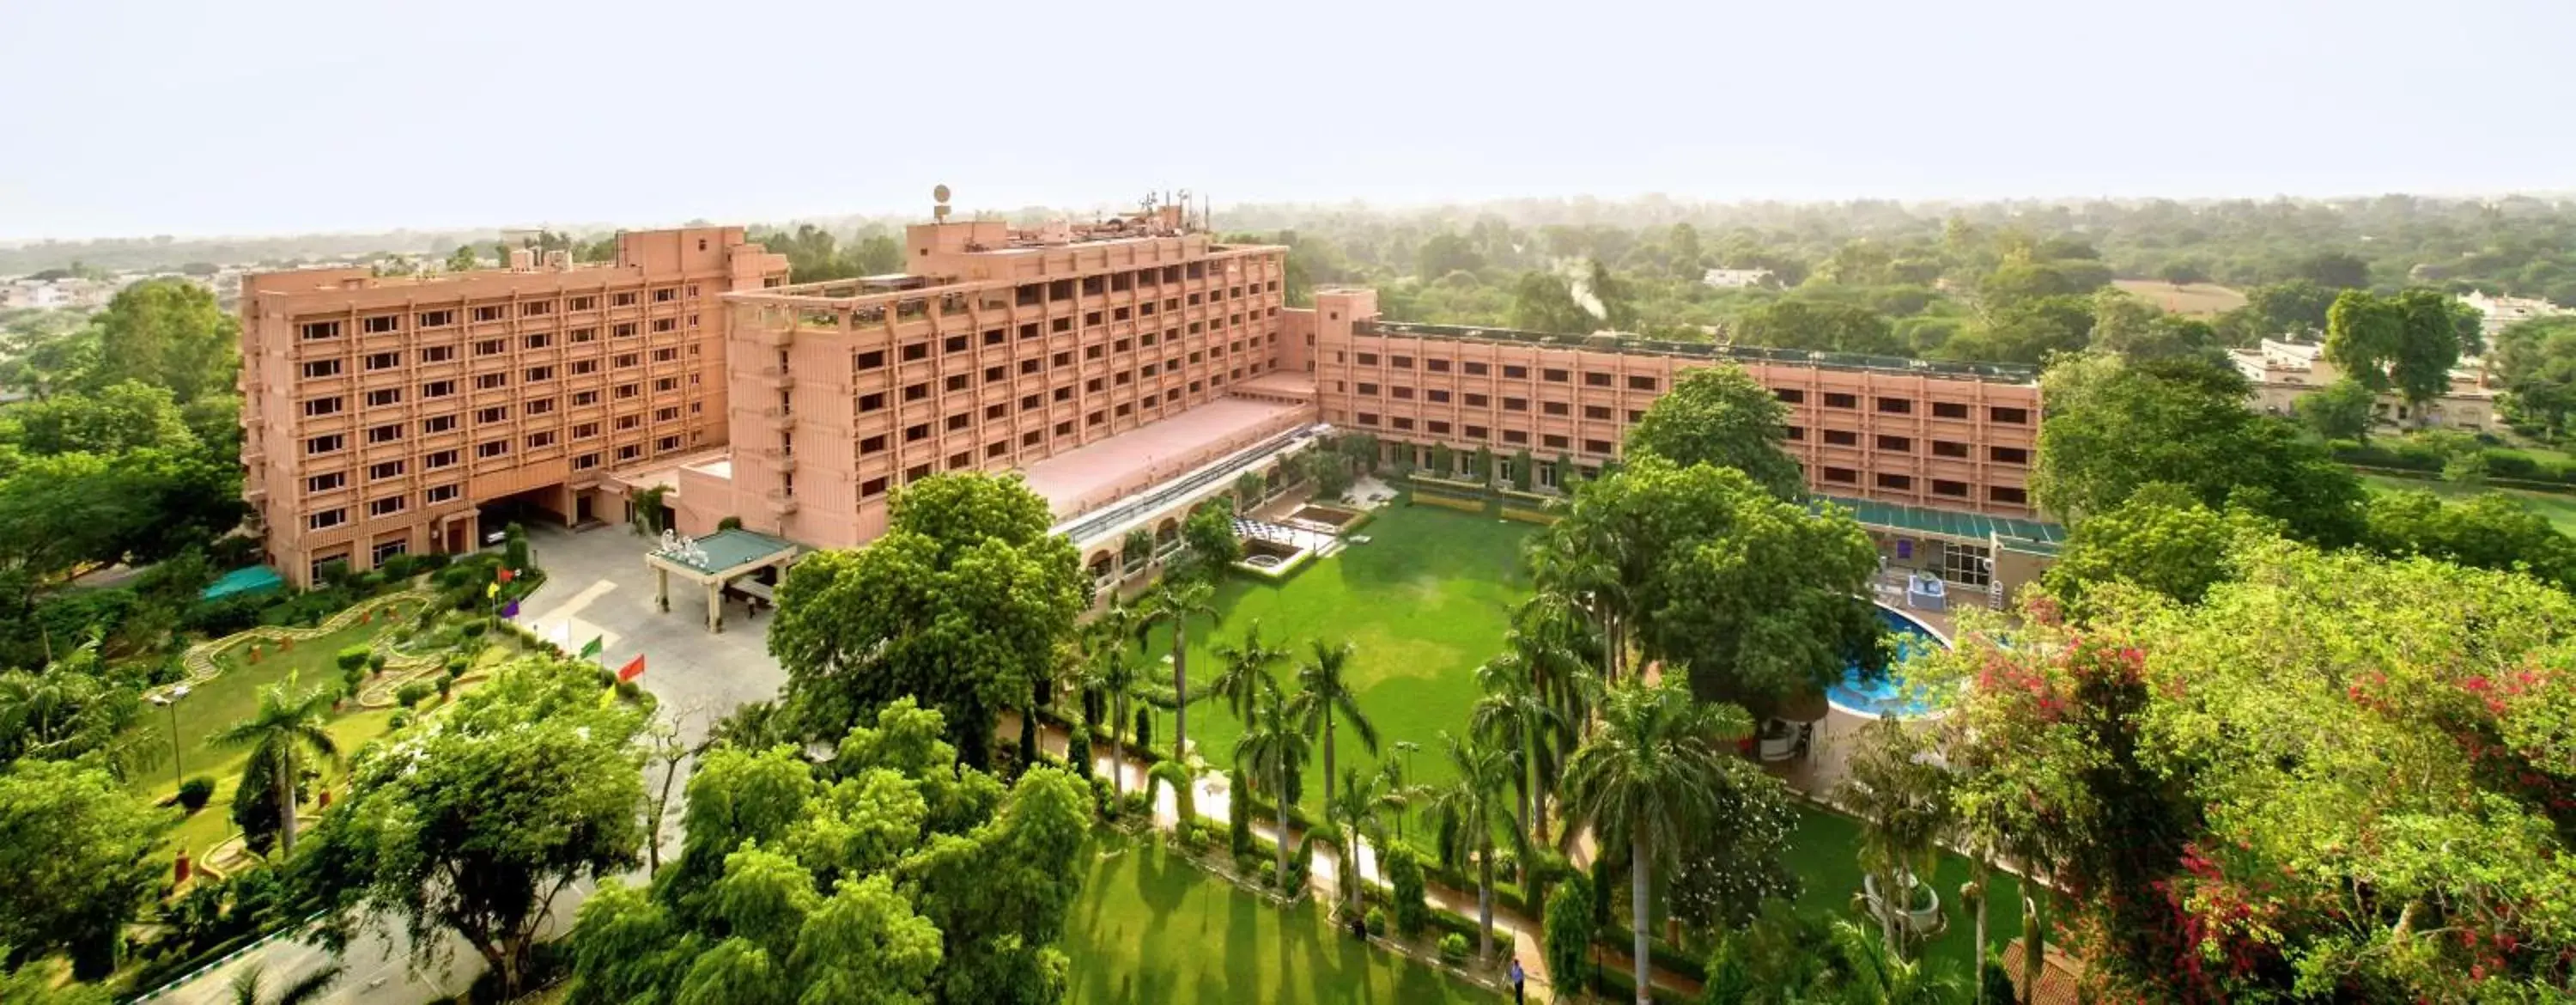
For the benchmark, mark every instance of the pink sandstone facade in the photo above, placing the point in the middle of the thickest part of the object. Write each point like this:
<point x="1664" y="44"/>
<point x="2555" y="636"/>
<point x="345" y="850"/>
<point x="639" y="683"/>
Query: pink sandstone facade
<point x="384" y="415"/>
<point x="380" y="414"/>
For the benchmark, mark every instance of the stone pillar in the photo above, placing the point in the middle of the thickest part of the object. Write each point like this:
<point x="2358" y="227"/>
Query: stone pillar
<point x="662" y="589"/>
<point x="715" y="606"/>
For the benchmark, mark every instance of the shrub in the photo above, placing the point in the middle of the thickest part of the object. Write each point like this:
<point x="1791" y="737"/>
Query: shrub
<point x="195" y="792"/>
<point x="1404" y="880"/>
<point x="456" y="664"/>
<point x="431" y="562"/>
<point x="1101" y="801"/>
<point x="1144" y="729"/>
<point x="397" y="567"/>
<point x="1300" y="866"/>
<point x="1077" y="754"/>
<point x="352" y="679"/>
<point x="398" y="720"/>
<point x="474" y="629"/>
<point x="1997" y="981"/>
<point x="375" y="662"/>
<point x="353" y="657"/>
<point x="628" y="690"/>
<point x="1238" y="830"/>
<point x="1375" y="919"/>
<point x="1569" y="933"/>
<point x="413" y="693"/>
<point x="445" y="685"/>
<point x="729" y="523"/>
<point x="1453" y="947"/>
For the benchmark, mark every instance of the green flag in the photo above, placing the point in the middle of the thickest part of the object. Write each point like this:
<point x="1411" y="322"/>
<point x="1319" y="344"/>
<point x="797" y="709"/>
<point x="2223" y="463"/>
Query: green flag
<point x="592" y="647"/>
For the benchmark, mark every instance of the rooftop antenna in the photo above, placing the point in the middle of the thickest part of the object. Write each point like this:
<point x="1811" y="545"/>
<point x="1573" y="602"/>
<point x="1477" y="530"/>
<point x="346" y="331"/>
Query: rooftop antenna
<point x="939" y="199"/>
<point x="1185" y="210"/>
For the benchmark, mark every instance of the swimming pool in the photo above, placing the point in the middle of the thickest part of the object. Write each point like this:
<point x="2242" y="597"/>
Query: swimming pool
<point x="1883" y="695"/>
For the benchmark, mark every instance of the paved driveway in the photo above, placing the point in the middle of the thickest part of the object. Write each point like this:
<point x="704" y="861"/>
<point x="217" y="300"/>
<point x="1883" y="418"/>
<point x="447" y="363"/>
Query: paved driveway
<point x="597" y="585"/>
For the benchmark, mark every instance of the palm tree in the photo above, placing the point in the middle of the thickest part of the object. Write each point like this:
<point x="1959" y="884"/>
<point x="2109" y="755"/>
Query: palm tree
<point x="1113" y="674"/>
<point x="1512" y="717"/>
<point x="247" y="989"/>
<point x="1178" y="600"/>
<point x="1323" y="690"/>
<point x="1582" y="565"/>
<point x="1468" y="810"/>
<point x="1396" y="794"/>
<point x="286" y="725"/>
<point x="1357" y="806"/>
<point x="1657" y="757"/>
<point x="1902" y="797"/>
<point x="1272" y="744"/>
<point x="1244" y="666"/>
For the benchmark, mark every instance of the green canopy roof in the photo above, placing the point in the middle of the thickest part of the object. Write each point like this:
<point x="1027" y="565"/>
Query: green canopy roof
<point x="2010" y="532"/>
<point x="244" y="582"/>
<point x="730" y="548"/>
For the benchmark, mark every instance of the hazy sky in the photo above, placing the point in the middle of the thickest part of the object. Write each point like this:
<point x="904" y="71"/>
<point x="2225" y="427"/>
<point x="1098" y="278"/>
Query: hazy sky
<point x="137" y="117"/>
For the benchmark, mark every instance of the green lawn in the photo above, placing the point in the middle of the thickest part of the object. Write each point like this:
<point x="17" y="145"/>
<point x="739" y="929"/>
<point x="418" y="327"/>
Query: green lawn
<point x="1824" y="852"/>
<point x="1423" y="603"/>
<point x="1153" y="928"/>
<point x="2559" y="509"/>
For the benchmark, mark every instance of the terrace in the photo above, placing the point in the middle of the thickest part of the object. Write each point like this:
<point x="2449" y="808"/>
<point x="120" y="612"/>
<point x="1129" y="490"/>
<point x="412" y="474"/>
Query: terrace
<point x="2009" y="373"/>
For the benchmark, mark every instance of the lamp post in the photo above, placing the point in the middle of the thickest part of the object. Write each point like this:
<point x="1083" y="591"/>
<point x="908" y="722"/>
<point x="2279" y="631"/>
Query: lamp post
<point x="170" y="700"/>
<point x="1406" y="747"/>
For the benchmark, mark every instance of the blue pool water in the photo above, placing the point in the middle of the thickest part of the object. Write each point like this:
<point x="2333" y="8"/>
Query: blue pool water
<point x="1882" y="695"/>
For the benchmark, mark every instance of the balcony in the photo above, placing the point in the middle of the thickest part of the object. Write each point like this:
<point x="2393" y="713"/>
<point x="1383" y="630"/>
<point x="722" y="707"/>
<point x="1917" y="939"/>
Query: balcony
<point x="777" y="378"/>
<point x="778" y="417"/>
<point x="781" y="502"/>
<point x="774" y="338"/>
<point x="779" y="459"/>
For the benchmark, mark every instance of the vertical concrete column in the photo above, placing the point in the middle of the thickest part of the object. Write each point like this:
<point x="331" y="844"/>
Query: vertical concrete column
<point x="715" y="606"/>
<point x="662" y="589"/>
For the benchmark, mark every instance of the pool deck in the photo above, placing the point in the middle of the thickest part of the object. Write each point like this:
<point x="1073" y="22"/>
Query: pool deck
<point x="1829" y="749"/>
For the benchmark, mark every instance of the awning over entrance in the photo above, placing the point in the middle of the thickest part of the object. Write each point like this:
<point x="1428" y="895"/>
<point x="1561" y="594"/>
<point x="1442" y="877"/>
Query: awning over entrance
<point x="714" y="561"/>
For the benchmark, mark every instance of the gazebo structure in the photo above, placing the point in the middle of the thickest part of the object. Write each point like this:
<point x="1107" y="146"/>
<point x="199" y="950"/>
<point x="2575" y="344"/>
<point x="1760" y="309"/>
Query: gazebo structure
<point x="714" y="562"/>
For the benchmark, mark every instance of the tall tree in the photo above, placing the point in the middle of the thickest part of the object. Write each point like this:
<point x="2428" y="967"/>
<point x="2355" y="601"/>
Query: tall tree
<point x="1323" y="694"/>
<point x="1274" y="747"/>
<point x="1658" y="757"/>
<point x="962" y="603"/>
<point x="1467" y="810"/>
<point x="2160" y="539"/>
<point x="1511" y="716"/>
<point x="1241" y="668"/>
<point x="1112" y="673"/>
<point x="1901" y="796"/>
<point x="1817" y="325"/>
<point x="1177" y="602"/>
<point x="81" y="854"/>
<point x="287" y="725"/>
<point x="168" y="333"/>
<point x="1721" y="416"/>
<point x="2405" y="343"/>
<point x="2338" y="411"/>
<point x="475" y="821"/>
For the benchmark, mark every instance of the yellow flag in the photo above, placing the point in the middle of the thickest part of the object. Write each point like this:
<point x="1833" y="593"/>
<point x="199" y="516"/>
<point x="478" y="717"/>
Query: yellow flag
<point x="491" y="589"/>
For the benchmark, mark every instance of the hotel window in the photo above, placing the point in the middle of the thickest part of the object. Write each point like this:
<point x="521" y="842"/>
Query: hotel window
<point x="317" y="407"/>
<point x="1554" y="376"/>
<point x="1842" y="438"/>
<point x="2007" y="495"/>
<point x="325" y="444"/>
<point x="585" y="462"/>
<point x="1954" y="490"/>
<point x="1552" y="408"/>
<point x="313" y="330"/>
<point x="325" y="483"/>
<point x="667" y="354"/>
<point x="536" y="308"/>
<point x="383" y="360"/>
<point x="1897" y="444"/>
<point x="437" y="353"/>
<point x="327" y="518"/>
<point x="1367" y="389"/>
<point x="1896" y="406"/>
<point x="387" y="506"/>
<point x="1947" y="448"/>
<point x="488" y="416"/>
<point x="491" y="347"/>
<point x="959" y="421"/>
<point x="1403" y="423"/>
<point x="1516" y="404"/>
<point x="629" y="452"/>
<point x="1475" y="369"/>
<point x="872" y="402"/>
<point x="441" y="493"/>
<point x="1900" y="483"/>
<point x="1592" y="378"/>
<point x="581" y="335"/>
<point x="541" y="439"/>
<point x="441" y="459"/>
<point x="1797" y="433"/>
<point x="539" y="374"/>
<point x="916" y="432"/>
<point x="1641" y="383"/>
<point x="869" y="360"/>
<point x="538" y="341"/>
<point x="321" y="368"/>
<point x="1596" y="412"/>
<point x="584" y="367"/>
<point x="2008" y="455"/>
<point x="1949" y="410"/>
<point x="872" y="488"/>
<point x="581" y="303"/>
<point x="581" y="398"/>
<point x="2012" y="416"/>
<point x="1598" y="446"/>
<point x="438" y="424"/>
<point x="665" y="325"/>
<point x="956" y="382"/>
<point x="385" y="433"/>
<point x="491" y="448"/>
<point x="1437" y="396"/>
<point x="1553" y="442"/>
<point x="1402" y="362"/>
<point x="625" y="360"/>
<point x="665" y="295"/>
<point x="1842" y="476"/>
<point x="1789" y="395"/>
<point x="626" y="422"/>
<point x="435" y="319"/>
<point x="438" y="389"/>
<point x="671" y="414"/>
<point x="626" y="299"/>
<point x="1437" y="428"/>
<point x="1834" y="399"/>
<point x="1478" y="401"/>
<point x="625" y="391"/>
<point x="487" y="313"/>
<point x="1514" y="372"/>
<point x="586" y="431"/>
<point x="1516" y="436"/>
<point x="385" y="397"/>
<point x="626" y="330"/>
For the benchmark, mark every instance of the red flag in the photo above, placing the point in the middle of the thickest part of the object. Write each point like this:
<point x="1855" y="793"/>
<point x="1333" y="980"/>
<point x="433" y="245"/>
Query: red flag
<point x="507" y="575"/>
<point x="634" y="668"/>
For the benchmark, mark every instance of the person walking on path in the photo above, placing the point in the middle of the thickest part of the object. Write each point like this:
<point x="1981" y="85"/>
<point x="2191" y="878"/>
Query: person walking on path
<point x="1517" y="978"/>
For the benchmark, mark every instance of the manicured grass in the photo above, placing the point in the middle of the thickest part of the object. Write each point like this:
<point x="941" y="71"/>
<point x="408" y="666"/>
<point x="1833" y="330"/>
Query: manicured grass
<point x="1151" y="927"/>
<point x="1825" y="852"/>
<point x="2191" y="298"/>
<point x="1423" y="603"/>
<point x="2560" y="510"/>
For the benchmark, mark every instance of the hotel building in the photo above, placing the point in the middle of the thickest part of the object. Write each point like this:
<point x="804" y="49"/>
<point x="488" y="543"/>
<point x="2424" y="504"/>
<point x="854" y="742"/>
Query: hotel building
<point x="1126" y="368"/>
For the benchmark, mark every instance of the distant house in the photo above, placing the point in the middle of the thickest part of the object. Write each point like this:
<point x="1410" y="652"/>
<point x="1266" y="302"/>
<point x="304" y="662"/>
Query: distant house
<point x="2499" y="313"/>
<point x="1736" y="279"/>
<point x="2285" y="370"/>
